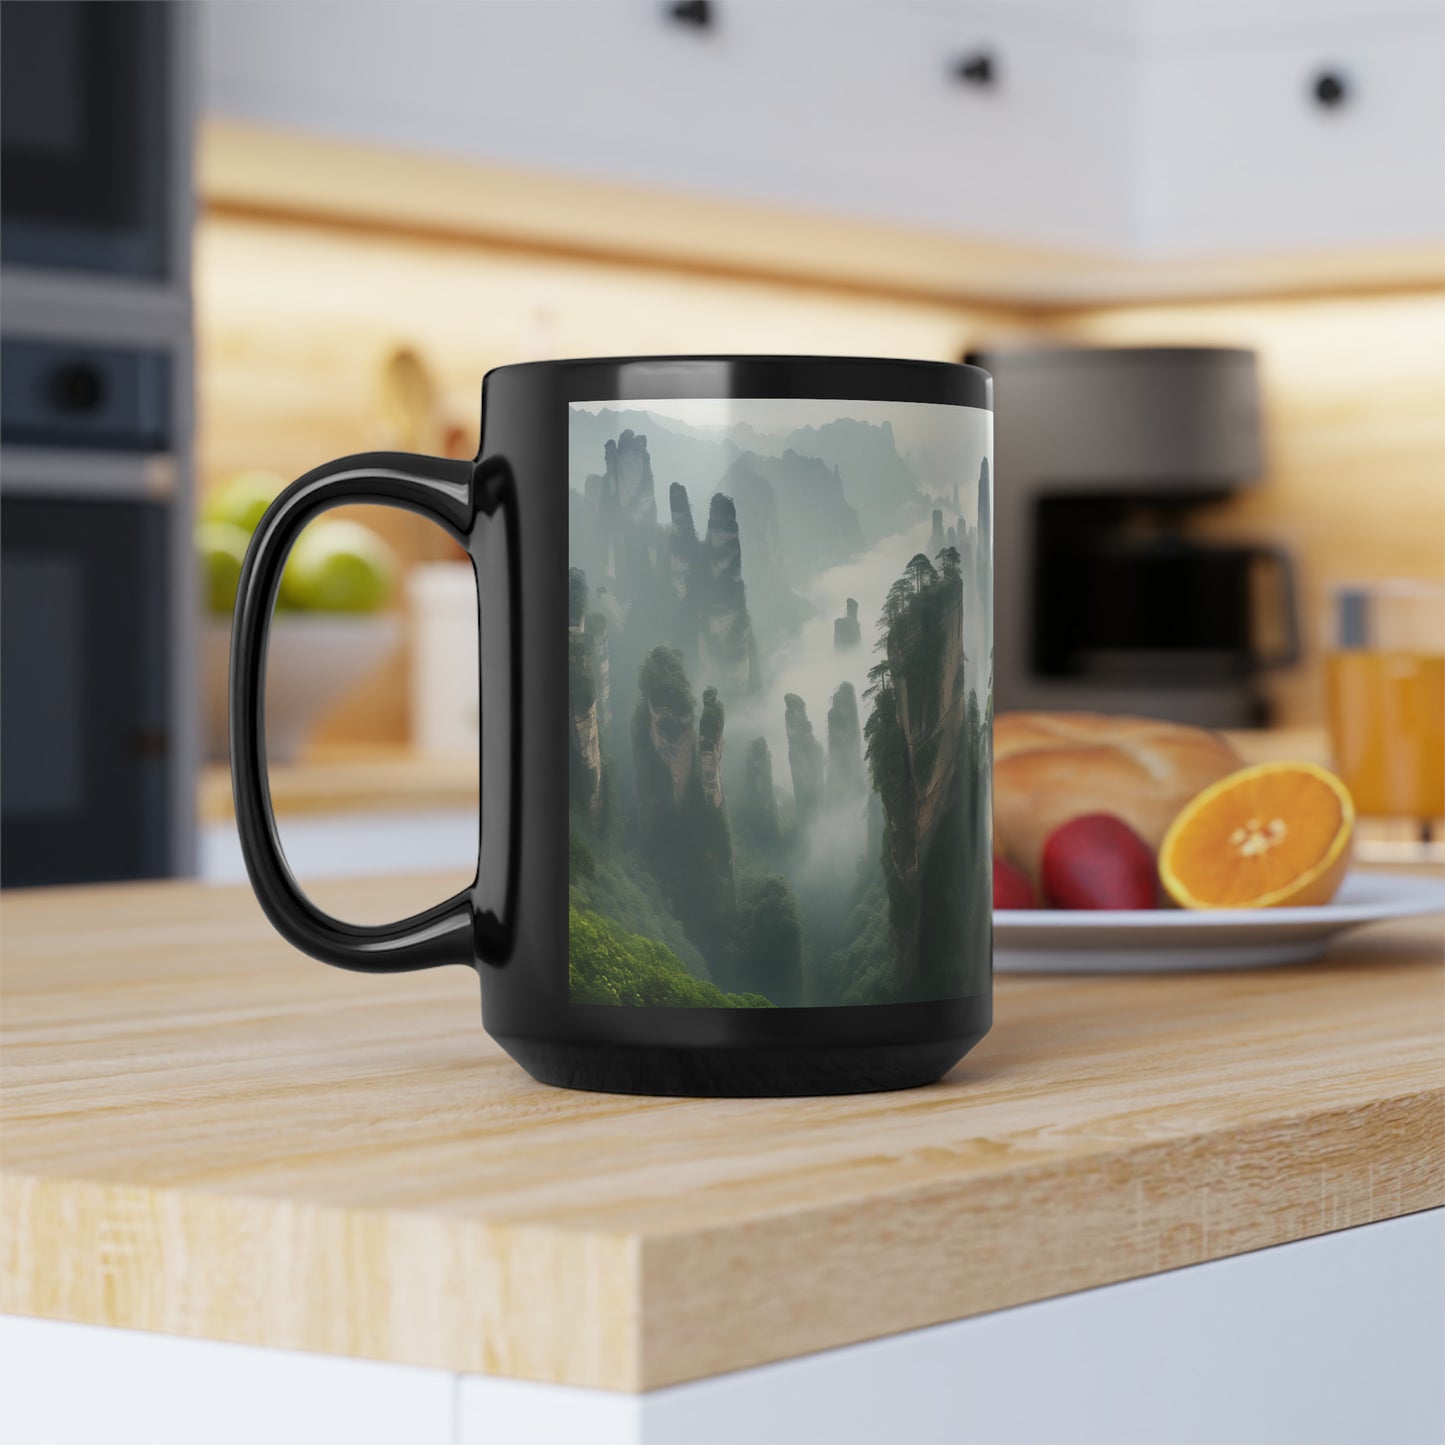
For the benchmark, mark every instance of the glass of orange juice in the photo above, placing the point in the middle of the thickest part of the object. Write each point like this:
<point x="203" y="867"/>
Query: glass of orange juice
<point x="1385" y="694"/>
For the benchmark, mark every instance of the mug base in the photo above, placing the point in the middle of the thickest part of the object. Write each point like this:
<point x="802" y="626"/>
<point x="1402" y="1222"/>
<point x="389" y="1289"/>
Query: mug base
<point x="752" y="1073"/>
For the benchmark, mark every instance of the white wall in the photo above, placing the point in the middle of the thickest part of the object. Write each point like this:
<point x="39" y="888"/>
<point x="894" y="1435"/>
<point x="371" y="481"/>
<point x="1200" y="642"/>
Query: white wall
<point x="1144" y="126"/>
<point x="846" y="107"/>
<point x="1235" y="154"/>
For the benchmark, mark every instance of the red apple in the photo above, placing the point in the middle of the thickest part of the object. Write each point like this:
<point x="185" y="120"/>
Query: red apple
<point x="1098" y="861"/>
<point x="1011" y="887"/>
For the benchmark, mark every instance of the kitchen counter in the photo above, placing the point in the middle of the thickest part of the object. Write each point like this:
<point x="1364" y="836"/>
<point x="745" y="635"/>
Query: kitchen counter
<point x="208" y="1135"/>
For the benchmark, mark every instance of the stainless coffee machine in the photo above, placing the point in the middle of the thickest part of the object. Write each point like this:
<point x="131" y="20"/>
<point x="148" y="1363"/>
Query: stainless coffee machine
<point x="1105" y="599"/>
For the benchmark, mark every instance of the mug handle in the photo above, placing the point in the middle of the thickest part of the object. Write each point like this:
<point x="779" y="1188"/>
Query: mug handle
<point x="443" y="491"/>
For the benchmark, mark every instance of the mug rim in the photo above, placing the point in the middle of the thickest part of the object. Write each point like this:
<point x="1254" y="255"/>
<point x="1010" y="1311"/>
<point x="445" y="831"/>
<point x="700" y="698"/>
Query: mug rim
<point x="753" y="376"/>
<point x="747" y="356"/>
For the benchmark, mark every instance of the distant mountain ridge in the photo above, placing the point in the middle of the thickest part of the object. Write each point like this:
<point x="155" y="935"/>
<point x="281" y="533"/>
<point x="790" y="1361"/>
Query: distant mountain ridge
<point x="693" y="461"/>
<point x="876" y="478"/>
<point x="794" y="515"/>
<point x="797" y="508"/>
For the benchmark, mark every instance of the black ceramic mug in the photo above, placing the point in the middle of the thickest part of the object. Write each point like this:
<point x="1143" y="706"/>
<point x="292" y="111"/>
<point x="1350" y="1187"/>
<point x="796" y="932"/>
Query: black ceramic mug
<point x="736" y="719"/>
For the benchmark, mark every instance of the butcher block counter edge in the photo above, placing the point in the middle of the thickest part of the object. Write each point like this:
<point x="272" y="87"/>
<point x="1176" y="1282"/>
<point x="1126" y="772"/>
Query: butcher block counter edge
<point x="639" y="1243"/>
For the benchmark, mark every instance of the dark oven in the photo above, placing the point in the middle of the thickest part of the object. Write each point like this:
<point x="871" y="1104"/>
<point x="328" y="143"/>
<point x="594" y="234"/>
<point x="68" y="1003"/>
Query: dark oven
<point x="85" y="581"/>
<point x="85" y="115"/>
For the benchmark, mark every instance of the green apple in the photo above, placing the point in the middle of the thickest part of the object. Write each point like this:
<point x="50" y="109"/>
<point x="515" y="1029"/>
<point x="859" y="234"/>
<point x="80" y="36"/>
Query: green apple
<point x="243" y="500"/>
<point x="222" y="548"/>
<point x="337" y="567"/>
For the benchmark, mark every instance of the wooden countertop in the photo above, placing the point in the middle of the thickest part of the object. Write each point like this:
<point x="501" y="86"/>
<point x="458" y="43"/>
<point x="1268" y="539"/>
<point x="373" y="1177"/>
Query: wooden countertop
<point x="207" y="1134"/>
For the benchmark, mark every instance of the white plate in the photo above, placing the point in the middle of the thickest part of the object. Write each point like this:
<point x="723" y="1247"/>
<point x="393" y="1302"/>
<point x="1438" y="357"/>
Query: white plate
<point x="1178" y="940"/>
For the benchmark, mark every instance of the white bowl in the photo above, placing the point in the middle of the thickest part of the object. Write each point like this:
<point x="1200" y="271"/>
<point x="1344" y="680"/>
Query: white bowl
<point x="313" y="660"/>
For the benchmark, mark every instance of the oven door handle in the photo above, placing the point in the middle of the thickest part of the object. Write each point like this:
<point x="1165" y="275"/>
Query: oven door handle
<point x="444" y="491"/>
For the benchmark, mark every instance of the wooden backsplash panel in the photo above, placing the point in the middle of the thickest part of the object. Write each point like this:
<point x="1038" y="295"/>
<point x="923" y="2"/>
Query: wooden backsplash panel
<point x="296" y="321"/>
<point x="1354" y="416"/>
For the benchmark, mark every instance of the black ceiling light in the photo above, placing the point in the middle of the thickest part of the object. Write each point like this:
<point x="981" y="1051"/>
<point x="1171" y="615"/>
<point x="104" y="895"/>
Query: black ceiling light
<point x="978" y="69"/>
<point x="698" y="14"/>
<point x="1330" y="89"/>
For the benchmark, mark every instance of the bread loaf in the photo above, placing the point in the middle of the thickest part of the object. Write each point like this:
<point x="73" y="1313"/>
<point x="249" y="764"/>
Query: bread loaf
<point x="1050" y="767"/>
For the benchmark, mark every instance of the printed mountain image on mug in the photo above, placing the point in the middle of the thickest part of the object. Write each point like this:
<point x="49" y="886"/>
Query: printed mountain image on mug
<point x="780" y="658"/>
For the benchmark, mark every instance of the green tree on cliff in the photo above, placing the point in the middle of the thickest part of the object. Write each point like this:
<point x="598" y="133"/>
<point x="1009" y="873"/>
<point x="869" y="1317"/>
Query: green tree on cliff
<point x="768" y="955"/>
<point x="683" y="826"/>
<point x="609" y="966"/>
<point x="926" y="749"/>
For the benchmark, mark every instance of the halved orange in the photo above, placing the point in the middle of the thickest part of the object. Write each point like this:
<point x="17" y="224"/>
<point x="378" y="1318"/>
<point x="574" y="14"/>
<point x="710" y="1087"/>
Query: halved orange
<point x="1270" y="836"/>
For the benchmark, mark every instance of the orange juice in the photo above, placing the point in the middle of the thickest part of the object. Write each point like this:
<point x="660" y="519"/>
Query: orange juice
<point x="1387" y="730"/>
